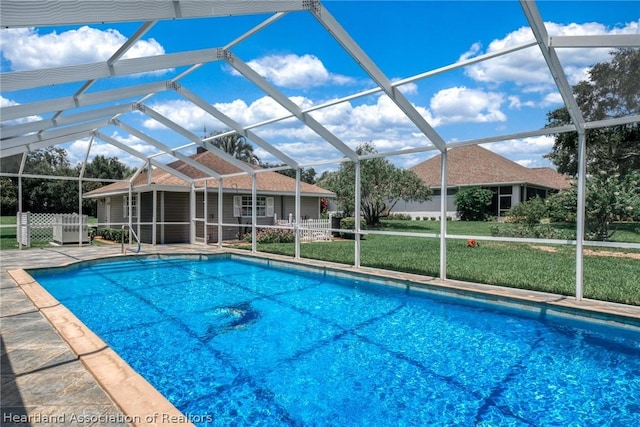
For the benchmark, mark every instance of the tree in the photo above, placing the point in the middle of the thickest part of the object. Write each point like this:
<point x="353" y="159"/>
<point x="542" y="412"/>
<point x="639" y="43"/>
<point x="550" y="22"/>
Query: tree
<point x="473" y="203"/>
<point x="104" y="168"/>
<point x="49" y="195"/>
<point x="612" y="90"/>
<point x="237" y="146"/>
<point x="307" y="175"/>
<point x="609" y="198"/>
<point x="57" y="195"/>
<point x="8" y="197"/>
<point x="382" y="186"/>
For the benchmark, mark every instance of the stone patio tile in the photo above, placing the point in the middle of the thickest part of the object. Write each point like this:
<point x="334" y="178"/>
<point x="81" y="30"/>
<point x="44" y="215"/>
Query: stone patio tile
<point x="14" y="302"/>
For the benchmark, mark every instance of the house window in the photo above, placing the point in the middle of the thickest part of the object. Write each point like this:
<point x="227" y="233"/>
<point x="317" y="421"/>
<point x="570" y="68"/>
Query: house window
<point x="134" y="206"/>
<point x="505" y="200"/>
<point x="242" y="206"/>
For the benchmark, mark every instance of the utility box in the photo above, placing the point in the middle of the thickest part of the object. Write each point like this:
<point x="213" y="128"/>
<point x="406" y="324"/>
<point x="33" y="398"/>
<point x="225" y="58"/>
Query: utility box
<point x="66" y="228"/>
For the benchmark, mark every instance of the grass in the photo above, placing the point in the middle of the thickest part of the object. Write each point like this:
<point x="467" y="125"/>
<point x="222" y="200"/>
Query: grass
<point x="515" y="265"/>
<point x="8" y="234"/>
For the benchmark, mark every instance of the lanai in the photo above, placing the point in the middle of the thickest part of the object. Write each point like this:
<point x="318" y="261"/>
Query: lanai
<point x="92" y="113"/>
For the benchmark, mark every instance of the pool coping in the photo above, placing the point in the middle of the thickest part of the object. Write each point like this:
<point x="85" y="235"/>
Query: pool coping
<point x="139" y="401"/>
<point x="145" y="405"/>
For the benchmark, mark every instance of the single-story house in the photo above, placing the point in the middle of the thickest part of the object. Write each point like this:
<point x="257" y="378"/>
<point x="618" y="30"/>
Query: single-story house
<point x="169" y="198"/>
<point x="475" y="166"/>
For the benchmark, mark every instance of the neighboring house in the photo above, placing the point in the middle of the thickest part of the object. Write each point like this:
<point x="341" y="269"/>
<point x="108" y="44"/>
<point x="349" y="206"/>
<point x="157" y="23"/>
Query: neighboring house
<point x="474" y="166"/>
<point x="171" y="197"/>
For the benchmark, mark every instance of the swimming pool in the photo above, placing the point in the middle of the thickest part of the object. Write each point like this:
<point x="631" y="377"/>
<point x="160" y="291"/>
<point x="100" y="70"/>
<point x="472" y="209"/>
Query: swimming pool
<point x="229" y="341"/>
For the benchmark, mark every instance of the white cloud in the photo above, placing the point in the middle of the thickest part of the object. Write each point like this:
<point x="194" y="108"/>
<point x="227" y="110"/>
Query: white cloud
<point x="78" y="149"/>
<point x="293" y="71"/>
<point x="532" y="145"/>
<point x="516" y="103"/>
<point x="193" y="118"/>
<point x="553" y="98"/>
<point x="26" y="49"/>
<point x="382" y="116"/>
<point x="527" y="68"/>
<point x="464" y="105"/>
<point x="527" y="163"/>
<point x="527" y="152"/>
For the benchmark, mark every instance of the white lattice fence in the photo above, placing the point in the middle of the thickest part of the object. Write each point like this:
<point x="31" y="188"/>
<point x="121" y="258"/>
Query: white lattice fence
<point x="45" y="227"/>
<point x="311" y="229"/>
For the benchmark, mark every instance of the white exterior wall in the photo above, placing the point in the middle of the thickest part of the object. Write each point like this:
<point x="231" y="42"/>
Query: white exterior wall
<point x="429" y="209"/>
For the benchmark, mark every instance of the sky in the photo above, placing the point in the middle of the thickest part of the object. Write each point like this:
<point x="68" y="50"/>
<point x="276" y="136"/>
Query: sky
<point x="504" y="95"/>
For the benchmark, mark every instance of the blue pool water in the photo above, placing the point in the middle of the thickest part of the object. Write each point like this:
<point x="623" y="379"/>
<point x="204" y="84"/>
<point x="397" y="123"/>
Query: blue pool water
<point x="241" y="343"/>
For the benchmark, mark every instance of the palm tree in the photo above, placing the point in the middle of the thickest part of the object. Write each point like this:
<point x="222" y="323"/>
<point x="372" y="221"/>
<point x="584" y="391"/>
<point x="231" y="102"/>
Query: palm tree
<point x="237" y="146"/>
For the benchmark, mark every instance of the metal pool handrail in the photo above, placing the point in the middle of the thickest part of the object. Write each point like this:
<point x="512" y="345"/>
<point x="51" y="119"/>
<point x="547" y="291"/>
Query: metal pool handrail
<point x="134" y="235"/>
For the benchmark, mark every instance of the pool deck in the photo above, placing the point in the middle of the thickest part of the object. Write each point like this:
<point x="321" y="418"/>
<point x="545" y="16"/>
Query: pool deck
<point x="55" y="371"/>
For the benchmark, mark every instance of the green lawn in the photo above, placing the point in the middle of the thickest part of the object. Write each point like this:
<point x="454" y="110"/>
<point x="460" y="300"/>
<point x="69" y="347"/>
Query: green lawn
<point x="8" y="234"/>
<point x="518" y="265"/>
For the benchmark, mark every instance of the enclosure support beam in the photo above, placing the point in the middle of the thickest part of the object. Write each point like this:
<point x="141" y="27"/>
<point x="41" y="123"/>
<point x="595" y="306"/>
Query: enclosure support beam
<point x="254" y="212"/>
<point x="154" y="226"/>
<point x="194" y="138"/>
<point x="356" y="215"/>
<point x="210" y="109"/>
<point x="165" y="148"/>
<point x="138" y="210"/>
<point x="192" y="214"/>
<point x="141" y="156"/>
<point x="80" y="176"/>
<point x="296" y="228"/>
<point x="205" y="209"/>
<point x="539" y="30"/>
<point x="80" y="237"/>
<point x="335" y="29"/>
<point x="286" y="103"/>
<point x="20" y="172"/>
<point x="41" y="13"/>
<point x="220" y="212"/>
<point x="580" y="218"/>
<point x="443" y="215"/>
<point x="129" y="210"/>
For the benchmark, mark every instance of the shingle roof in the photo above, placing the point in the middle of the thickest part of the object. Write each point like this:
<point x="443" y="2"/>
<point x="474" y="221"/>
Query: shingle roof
<point x="266" y="181"/>
<point x="475" y="165"/>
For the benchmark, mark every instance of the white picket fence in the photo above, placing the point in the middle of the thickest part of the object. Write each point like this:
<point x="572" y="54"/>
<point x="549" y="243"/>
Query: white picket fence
<point x="311" y="230"/>
<point x="45" y="227"/>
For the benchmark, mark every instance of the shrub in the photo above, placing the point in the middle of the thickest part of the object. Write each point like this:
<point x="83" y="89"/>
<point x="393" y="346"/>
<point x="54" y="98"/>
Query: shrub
<point x="113" y="234"/>
<point x="562" y="206"/>
<point x="530" y="212"/>
<point x="542" y="231"/>
<point x="399" y="217"/>
<point x="472" y="203"/>
<point x="273" y="235"/>
<point x="349" y="223"/>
